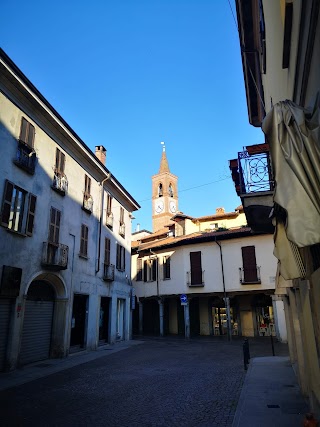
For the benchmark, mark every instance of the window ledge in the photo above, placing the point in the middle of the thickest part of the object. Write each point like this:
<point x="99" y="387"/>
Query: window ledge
<point x="256" y="282"/>
<point x="88" y="211"/>
<point x="57" y="190"/>
<point x="167" y="278"/>
<point x="83" y="256"/>
<point x="17" y="233"/>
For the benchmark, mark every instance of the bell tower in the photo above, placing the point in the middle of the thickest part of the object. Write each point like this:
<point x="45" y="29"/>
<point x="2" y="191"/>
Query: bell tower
<point x="164" y="194"/>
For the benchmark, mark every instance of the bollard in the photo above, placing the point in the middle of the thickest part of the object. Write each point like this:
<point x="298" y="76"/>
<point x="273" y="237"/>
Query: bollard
<point x="246" y="353"/>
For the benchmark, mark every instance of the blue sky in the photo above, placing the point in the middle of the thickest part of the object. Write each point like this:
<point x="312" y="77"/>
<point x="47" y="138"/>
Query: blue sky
<point x="129" y="74"/>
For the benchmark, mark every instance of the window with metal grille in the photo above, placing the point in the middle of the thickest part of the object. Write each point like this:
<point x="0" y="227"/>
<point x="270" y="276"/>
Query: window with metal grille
<point x="139" y="270"/>
<point x="121" y="259"/>
<point x="166" y="267"/>
<point x="54" y="226"/>
<point x="195" y="268"/>
<point x="84" y="241"/>
<point x="14" y="214"/>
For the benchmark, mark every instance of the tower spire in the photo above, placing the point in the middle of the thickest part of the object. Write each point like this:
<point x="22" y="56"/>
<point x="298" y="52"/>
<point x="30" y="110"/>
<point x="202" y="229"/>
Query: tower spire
<point x="164" y="166"/>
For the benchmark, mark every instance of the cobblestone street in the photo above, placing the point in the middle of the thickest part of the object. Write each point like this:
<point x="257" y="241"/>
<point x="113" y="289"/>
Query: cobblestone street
<point x="166" y="382"/>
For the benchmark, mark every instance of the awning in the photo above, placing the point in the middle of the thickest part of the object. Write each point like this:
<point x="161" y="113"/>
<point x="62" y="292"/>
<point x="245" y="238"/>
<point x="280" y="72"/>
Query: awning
<point x="294" y="137"/>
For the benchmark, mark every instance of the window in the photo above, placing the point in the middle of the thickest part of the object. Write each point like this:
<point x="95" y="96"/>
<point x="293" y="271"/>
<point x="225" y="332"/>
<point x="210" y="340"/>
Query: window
<point x="27" y="133"/>
<point x="166" y="267"/>
<point x="139" y="270"/>
<point x="107" y="251"/>
<point x="160" y="190"/>
<point x="84" y="241"/>
<point x="250" y="271"/>
<point x="13" y="213"/>
<point x="150" y="269"/>
<point x="54" y="226"/>
<point x="122" y="228"/>
<point x="121" y="259"/>
<point x="170" y="189"/>
<point x="196" y="269"/>
<point x="109" y="214"/>
<point x="87" y="199"/>
<point x="60" y="182"/>
<point x="25" y="155"/>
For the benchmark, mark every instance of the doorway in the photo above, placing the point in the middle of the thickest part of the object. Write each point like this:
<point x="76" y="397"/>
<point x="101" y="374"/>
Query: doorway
<point x="79" y="321"/>
<point x="104" y="320"/>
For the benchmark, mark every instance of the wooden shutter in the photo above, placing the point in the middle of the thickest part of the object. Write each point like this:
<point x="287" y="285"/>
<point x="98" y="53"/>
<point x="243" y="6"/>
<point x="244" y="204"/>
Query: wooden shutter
<point x="31" y="135"/>
<point x="145" y="271"/>
<point x="118" y="257"/>
<point x="121" y="215"/>
<point x="166" y="267"/>
<point x="196" y="268"/>
<point x="249" y="264"/>
<point x="123" y="258"/>
<point x="23" y="130"/>
<point x="31" y="214"/>
<point x="60" y="161"/>
<point x="109" y="204"/>
<point x="107" y="251"/>
<point x="154" y="269"/>
<point x="54" y="228"/>
<point x="87" y="184"/>
<point x="84" y="240"/>
<point x="6" y="204"/>
<point x="139" y="269"/>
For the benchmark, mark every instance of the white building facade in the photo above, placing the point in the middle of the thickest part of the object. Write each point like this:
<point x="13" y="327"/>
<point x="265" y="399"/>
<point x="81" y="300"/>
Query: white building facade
<point x="65" y="234"/>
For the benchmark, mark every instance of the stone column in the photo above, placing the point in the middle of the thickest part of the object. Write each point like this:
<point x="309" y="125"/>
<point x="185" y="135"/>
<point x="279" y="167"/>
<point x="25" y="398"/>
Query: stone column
<point x="161" y="317"/>
<point x="229" y="326"/>
<point x="60" y="328"/>
<point x="113" y="315"/>
<point x="186" y="321"/>
<point x="140" y="318"/>
<point x="279" y="318"/>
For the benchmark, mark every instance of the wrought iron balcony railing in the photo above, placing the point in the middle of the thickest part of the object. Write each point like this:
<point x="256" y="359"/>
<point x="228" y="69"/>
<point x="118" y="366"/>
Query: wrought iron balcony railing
<point x="109" y="220"/>
<point x="60" y="183"/>
<point x="195" y="278"/>
<point x="122" y="230"/>
<point x="55" y="256"/>
<point x="249" y="276"/>
<point x="87" y="202"/>
<point x="108" y="272"/>
<point x="255" y="172"/>
<point x="25" y="158"/>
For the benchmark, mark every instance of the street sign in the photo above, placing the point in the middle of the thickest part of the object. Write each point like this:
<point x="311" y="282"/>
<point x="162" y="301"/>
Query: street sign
<point x="183" y="299"/>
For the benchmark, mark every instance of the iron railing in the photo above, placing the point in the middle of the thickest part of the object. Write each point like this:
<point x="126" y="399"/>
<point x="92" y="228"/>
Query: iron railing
<point x="195" y="278"/>
<point x="25" y="158"/>
<point x="122" y="230"/>
<point x="255" y="172"/>
<point x="108" y="272"/>
<point x="109" y="219"/>
<point x="87" y="202"/>
<point x="249" y="275"/>
<point x="60" y="182"/>
<point x="55" y="255"/>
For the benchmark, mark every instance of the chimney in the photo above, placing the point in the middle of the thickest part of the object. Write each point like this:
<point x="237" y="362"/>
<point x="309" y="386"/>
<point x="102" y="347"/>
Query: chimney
<point x="220" y="211"/>
<point x="138" y="227"/>
<point x="101" y="154"/>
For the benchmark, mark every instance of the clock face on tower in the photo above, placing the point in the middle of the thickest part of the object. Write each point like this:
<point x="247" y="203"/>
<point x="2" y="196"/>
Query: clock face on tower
<point x="158" y="206"/>
<point x="172" y="206"/>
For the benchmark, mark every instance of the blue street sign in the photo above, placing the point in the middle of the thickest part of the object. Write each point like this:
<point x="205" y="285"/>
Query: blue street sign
<point x="183" y="298"/>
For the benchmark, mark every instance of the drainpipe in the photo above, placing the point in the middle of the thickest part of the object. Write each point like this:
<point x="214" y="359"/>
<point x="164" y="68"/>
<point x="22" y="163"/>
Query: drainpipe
<point x="226" y="299"/>
<point x="160" y="302"/>
<point x="100" y="222"/>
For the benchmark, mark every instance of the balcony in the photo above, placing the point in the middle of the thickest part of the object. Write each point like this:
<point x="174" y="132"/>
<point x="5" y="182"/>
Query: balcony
<point x="109" y="220"/>
<point x="54" y="256"/>
<point x="195" y="278"/>
<point x="250" y="276"/>
<point x="108" y="272"/>
<point x="60" y="183"/>
<point x="252" y="176"/>
<point x="87" y="204"/>
<point x="25" y="158"/>
<point x="122" y="230"/>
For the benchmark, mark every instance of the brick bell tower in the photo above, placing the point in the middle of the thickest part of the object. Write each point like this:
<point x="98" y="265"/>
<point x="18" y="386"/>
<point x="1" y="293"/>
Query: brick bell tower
<point x="164" y="194"/>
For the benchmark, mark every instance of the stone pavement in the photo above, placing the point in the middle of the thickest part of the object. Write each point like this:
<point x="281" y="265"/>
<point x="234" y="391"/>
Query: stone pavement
<point x="270" y="395"/>
<point x="154" y="382"/>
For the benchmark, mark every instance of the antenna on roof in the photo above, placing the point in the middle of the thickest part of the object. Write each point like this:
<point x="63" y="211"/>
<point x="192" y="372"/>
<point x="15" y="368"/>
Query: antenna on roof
<point x="163" y="146"/>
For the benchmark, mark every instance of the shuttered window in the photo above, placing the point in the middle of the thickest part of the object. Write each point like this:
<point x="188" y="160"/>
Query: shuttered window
<point x="121" y="215"/>
<point x="166" y="267"/>
<point x="139" y="270"/>
<point x="27" y="133"/>
<point x="107" y="251"/>
<point x="60" y="161"/>
<point x="54" y="227"/>
<point x="109" y="204"/>
<point x="196" y="268"/>
<point x="31" y="214"/>
<point x="121" y="260"/>
<point x="249" y="264"/>
<point x="84" y="240"/>
<point x="87" y="185"/>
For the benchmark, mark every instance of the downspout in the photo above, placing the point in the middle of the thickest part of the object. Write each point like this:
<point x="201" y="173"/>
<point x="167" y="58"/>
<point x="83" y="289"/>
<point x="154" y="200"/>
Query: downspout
<point x="100" y="222"/>
<point x="226" y="300"/>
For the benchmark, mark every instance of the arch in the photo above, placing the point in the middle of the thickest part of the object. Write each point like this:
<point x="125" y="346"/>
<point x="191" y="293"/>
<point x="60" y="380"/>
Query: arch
<point x="170" y="190"/>
<point x="52" y="279"/>
<point x="160" y="190"/>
